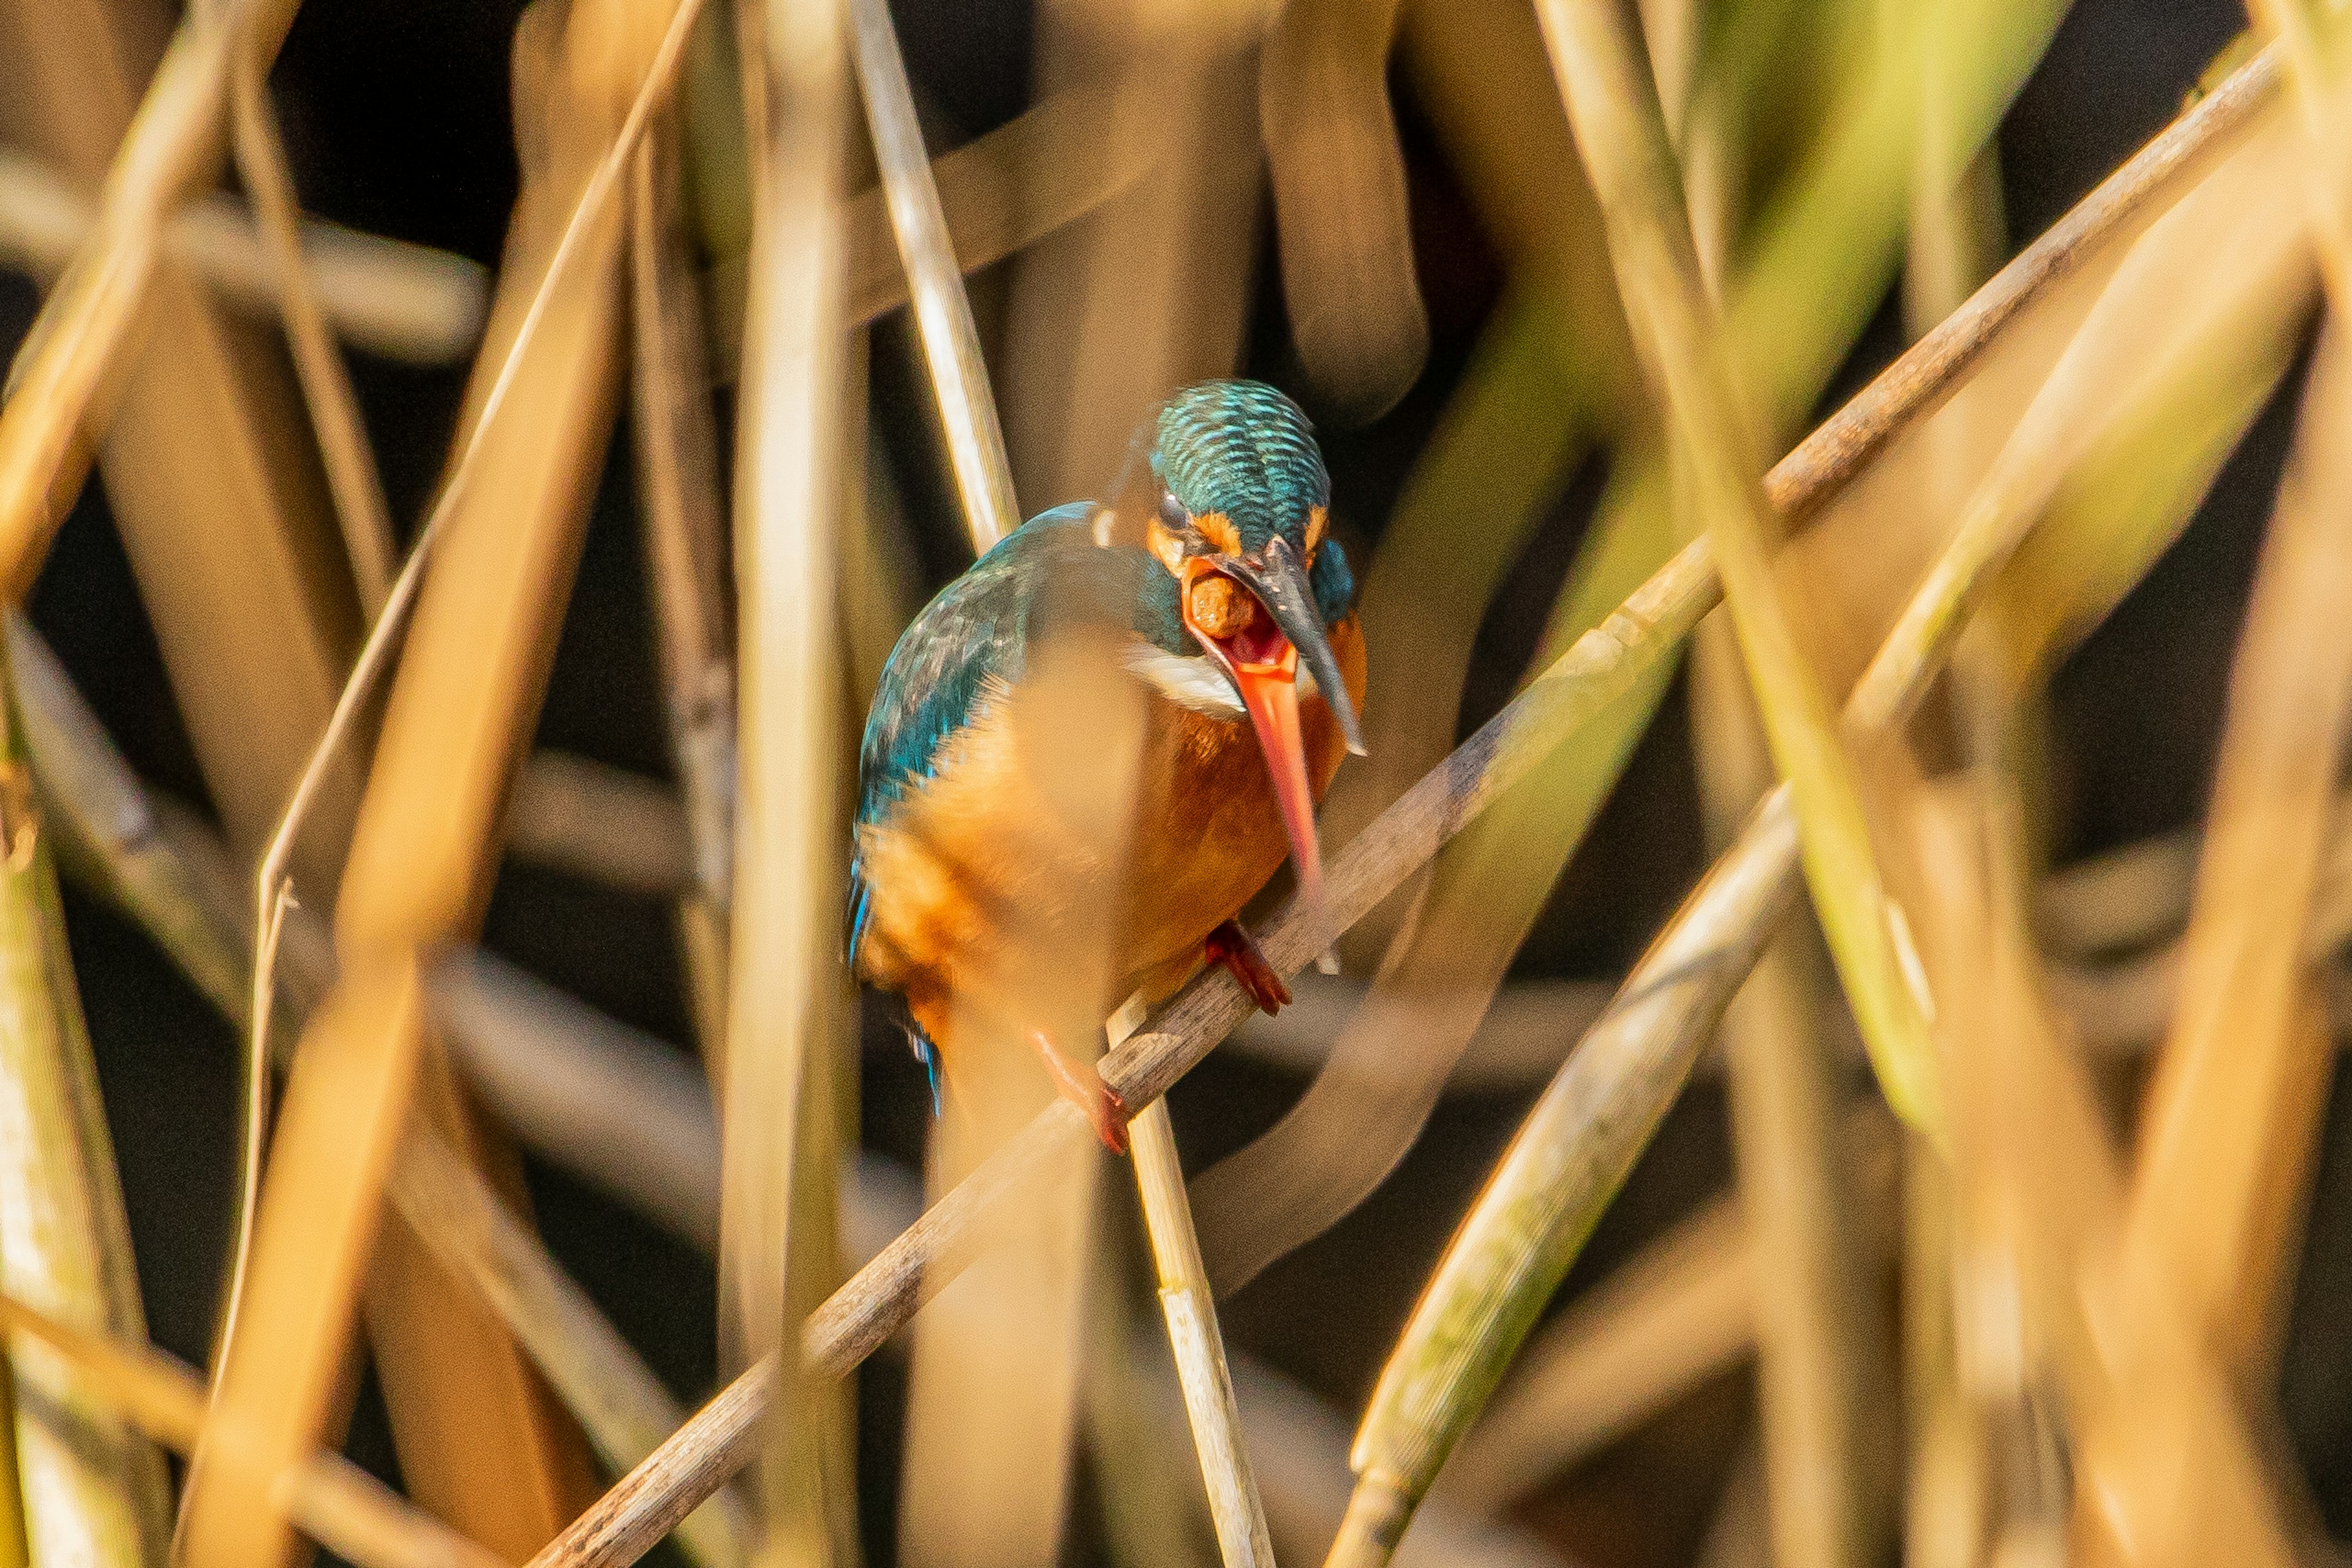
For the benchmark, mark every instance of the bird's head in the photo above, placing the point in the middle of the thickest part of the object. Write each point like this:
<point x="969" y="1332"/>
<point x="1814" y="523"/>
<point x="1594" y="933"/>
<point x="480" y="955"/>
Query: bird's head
<point x="1234" y="502"/>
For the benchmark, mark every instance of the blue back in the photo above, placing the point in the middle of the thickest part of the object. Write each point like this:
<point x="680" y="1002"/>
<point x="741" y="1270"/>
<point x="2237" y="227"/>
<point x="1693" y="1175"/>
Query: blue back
<point x="971" y="642"/>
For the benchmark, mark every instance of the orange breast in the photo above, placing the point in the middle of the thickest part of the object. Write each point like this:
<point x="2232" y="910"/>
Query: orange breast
<point x="978" y="883"/>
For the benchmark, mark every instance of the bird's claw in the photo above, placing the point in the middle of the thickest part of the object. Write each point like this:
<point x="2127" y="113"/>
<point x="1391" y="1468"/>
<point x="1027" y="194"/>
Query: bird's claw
<point x="1234" y="948"/>
<point x="1083" y="1087"/>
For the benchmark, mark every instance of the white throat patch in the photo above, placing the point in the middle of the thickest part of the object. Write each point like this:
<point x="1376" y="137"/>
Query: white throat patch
<point x="1195" y="682"/>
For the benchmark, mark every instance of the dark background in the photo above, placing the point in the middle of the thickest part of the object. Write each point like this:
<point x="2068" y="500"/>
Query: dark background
<point x="396" y="118"/>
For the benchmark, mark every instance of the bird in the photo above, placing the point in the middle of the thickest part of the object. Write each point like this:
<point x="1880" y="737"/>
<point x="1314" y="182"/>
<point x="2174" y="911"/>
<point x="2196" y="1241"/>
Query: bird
<point x="1208" y="582"/>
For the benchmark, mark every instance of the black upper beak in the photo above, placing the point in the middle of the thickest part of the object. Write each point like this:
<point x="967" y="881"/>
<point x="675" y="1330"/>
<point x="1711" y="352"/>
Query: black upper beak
<point x="1279" y="581"/>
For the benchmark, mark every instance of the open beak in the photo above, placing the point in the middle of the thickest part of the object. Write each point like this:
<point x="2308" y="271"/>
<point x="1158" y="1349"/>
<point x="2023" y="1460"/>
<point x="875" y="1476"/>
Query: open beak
<point x="1261" y="660"/>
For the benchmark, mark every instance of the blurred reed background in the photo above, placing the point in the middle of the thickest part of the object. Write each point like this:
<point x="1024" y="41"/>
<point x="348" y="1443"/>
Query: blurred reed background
<point x="2083" y="1304"/>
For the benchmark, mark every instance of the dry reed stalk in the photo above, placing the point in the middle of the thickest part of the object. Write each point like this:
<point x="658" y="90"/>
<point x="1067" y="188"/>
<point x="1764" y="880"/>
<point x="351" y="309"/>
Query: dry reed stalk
<point x="336" y="1503"/>
<point x="102" y="818"/>
<point x="1600" y="667"/>
<point x="1822" y="1361"/>
<point x="1823" y="1366"/>
<point x="2232" y="1120"/>
<point x="676" y="455"/>
<point x="2232" y="1116"/>
<point x="999" y="1350"/>
<point x="403" y="302"/>
<point x="1499" y="877"/>
<point x="2163" y="1470"/>
<point x="950" y="342"/>
<point x="1946" y="1496"/>
<point x="620" y="1404"/>
<point x="1104" y="323"/>
<point x="1338" y="177"/>
<point x="421" y="859"/>
<point x="1135" y="1425"/>
<point x="1956" y="233"/>
<point x="1577" y="1144"/>
<point x="999" y="194"/>
<point x="62" y="388"/>
<point x="91" y="1489"/>
<point x="1191" y="1309"/>
<point x="787" y="1014"/>
<point x="351" y="478"/>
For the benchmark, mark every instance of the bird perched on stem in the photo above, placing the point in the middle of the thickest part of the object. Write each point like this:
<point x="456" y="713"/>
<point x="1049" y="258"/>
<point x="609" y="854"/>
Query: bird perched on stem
<point x="1209" y="580"/>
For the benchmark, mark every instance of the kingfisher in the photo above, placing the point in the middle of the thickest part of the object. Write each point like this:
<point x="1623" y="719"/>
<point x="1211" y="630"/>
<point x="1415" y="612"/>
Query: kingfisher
<point x="1208" y="580"/>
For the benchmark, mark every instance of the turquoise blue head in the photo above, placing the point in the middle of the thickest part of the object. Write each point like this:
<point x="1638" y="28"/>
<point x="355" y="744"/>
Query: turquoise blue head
<point x="1242" y="454"/>
<point x="1237" y="513"/>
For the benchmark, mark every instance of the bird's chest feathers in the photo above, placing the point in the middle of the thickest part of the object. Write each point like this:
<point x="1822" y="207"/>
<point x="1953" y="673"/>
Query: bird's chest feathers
<point x="1007" y="831"/>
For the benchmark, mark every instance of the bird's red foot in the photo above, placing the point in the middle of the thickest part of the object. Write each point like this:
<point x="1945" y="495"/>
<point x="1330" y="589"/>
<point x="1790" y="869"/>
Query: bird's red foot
<point x="1083" y="1087"/>
<point x="1238" y="952"/>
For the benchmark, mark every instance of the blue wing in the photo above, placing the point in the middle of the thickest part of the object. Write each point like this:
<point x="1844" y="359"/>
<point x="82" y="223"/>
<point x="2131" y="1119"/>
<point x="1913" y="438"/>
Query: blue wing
<point x="968" y="641"/>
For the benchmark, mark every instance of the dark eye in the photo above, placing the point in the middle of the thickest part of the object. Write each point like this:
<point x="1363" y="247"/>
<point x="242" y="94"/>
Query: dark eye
<point x="1173" y="515"/>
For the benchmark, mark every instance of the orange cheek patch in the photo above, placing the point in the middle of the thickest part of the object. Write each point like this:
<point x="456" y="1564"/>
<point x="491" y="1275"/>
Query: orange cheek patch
<point x="1219" y="530"/>
<point x="1318" y="519"/>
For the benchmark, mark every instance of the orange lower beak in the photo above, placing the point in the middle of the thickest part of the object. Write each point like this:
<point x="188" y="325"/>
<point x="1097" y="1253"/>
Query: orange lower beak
<point x="1270" y="693"/>
<point x="1263" y="664"/>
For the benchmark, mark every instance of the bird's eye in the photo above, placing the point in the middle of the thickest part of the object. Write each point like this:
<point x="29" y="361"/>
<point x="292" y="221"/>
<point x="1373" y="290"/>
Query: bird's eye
<point x="1173" y="515"/>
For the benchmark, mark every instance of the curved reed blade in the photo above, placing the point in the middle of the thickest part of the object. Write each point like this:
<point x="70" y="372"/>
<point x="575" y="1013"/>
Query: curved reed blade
<point x="984" y="475"/>
<point x="351" y="478"/>
<point x="1338" y="175"/>
<point x="1601" y="666"/>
